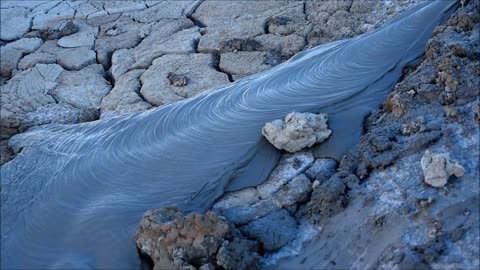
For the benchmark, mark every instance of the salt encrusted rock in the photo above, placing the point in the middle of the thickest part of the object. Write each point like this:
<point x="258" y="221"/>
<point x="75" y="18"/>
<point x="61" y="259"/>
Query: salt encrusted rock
<point x="273" y="230"/>
<point x="437" y="168"/>
<point x="298" y="131"/>
<point x="290" y="165"/>
<point x="322" y="168"/>
<point x="175" y="241"/>
<point x="286" y="186"/>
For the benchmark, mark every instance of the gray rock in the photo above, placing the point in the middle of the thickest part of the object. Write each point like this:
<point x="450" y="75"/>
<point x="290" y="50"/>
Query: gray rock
<point x="322" y="169"/>
<point x="286" y="186"/>
<point x="299" y="130"/>
<point x="238" y="254"/>
<point x="14" y="23"/>
<point x="274" y="230"/>
<point x="66" y="28"/>
<point x="10" y="60"/>
<point x="12" y="53"/>
<point x="287" y="46"/>
<point x="113" y="7"/>
<point x="122" y="60"/>
<point x="248" y="20"/>
<point x="295" y="191"/>
<point x="244" y="214"/>
<point x="328" y="199"/>
<point x="53" y="17"/>
<point x="29" y="61"/>
<point x="292" y="21"/>
<point x="334" y="20"/>
<point x="76" y="58"/>
<point x="82" y="89"/>
<point x="238" y="198"/>
<point x="124" y="96"/>
<point x="163" y="10"/>
<point x="198" y="69"/>
<point x="119" y="34"/>
<point x="84" y="9"/>
<point x="84" y="38"/>
<point x="101" y="17"/>
<point x="26" y="45"/>
<point x="47" y="94"/>
<point x="289" y="166"/>
<point x="437" y="168"/>
<point x="243" y="63"/>
<point x="181" y="42"/>
<point x="174" y="241"/>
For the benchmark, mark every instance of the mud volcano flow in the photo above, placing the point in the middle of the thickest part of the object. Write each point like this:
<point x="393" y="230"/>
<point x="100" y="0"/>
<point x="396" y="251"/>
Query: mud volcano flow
<point x="74" y="195"/>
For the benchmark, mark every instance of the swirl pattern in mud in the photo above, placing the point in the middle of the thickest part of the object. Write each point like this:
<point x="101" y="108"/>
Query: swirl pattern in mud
<point x="75" y="194"/>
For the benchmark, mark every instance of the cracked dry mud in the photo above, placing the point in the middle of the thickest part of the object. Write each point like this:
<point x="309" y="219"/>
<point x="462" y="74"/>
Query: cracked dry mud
<point x="138" y="43"/>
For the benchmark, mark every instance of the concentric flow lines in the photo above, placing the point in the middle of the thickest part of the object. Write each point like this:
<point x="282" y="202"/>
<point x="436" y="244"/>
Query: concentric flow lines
<point x="75" y="194"/>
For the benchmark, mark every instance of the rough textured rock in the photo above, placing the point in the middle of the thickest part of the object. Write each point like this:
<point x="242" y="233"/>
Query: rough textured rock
<point x="68" y="58"/>
<point x="158" y="90"/>
<point x="274" y="230"/>
<point x="14" y="22"/>
<point x="322" y="169"/>
<point x="49" y="94"/>
<point x="76" y="58"/>
<point x="298" y="131"/>
<point x="119" y="34"/>
<point x="437" y="168"/>
<point x="124" y="97"/>
<point x="226" y="21"/>
<point x="174" y="241"/>
<point x="285" y="187"/>
<point x="334" y="20"/>
<point x="288" y="167"/>
<point x="14" y="51"/>
<point x="243" y="63"/>
<point x="87" y="93"/>
<point x="84" y="38"/>
<point x="287" y="46"/>
<point x="66" y="28"/>
<point x="29" y="61"/>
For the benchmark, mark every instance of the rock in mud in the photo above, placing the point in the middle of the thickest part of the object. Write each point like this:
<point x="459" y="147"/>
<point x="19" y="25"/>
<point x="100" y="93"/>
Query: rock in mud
<point x="298" y="131"/>
<point x="322" y="168"/>
<point x="328" y="199"/>
<point x="274" y="230"/>
<point x="437" y="168"/>
<point x="286" y="186"/>
<point x="175" y="241"/>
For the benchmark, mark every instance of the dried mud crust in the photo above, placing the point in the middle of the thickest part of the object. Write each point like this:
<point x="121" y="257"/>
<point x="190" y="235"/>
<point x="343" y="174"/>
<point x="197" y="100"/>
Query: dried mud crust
<point x="139" y="43"/>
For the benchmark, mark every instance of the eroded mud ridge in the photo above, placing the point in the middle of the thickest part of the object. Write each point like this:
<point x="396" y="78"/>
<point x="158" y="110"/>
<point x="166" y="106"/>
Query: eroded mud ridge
<point x="100" y="177"/>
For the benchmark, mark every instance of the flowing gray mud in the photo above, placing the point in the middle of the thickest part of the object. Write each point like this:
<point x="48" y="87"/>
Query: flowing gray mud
<point x="74" y="196"/>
